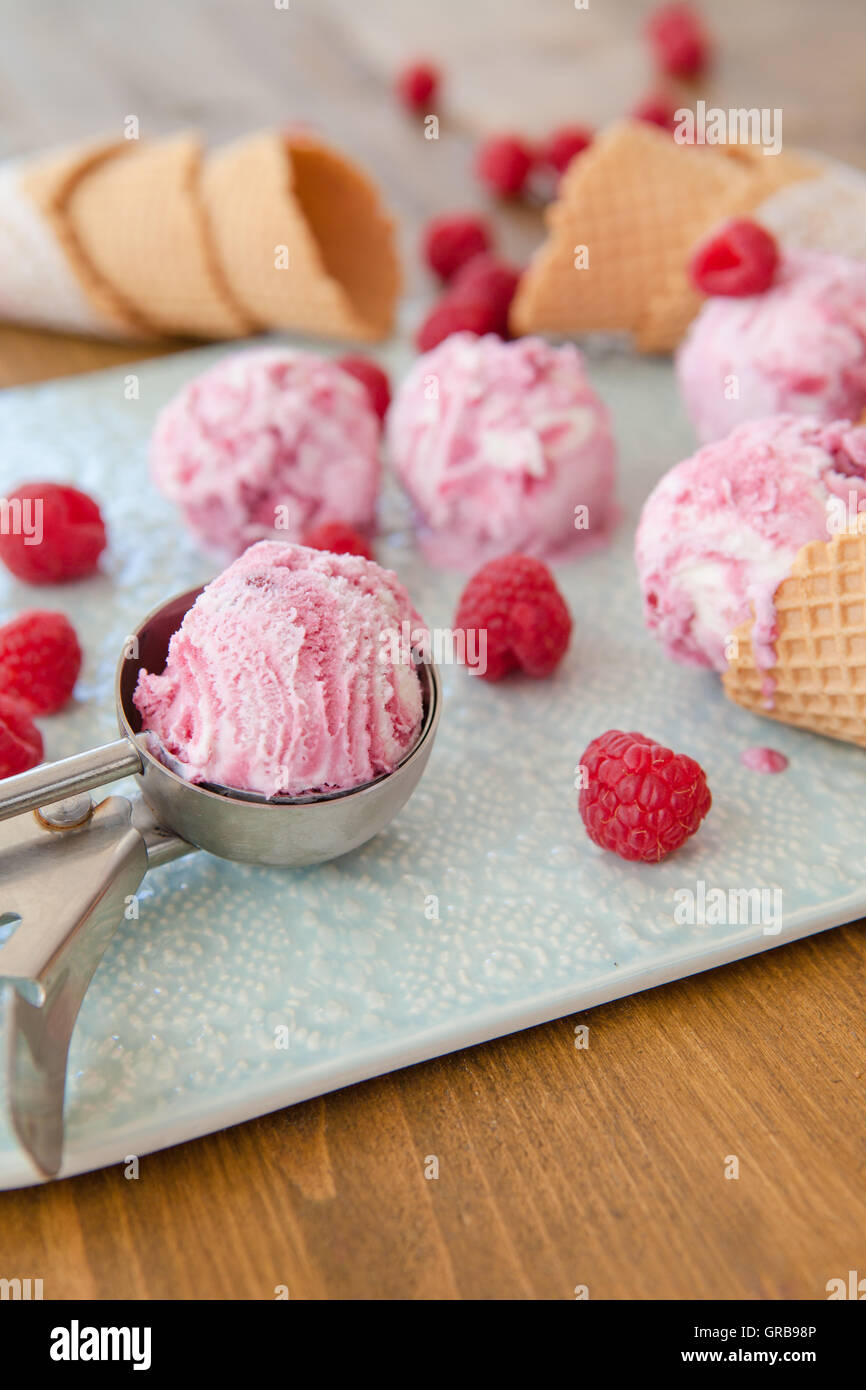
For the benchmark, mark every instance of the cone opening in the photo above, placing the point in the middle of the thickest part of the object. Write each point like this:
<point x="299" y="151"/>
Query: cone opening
<point x="352" y="236"/>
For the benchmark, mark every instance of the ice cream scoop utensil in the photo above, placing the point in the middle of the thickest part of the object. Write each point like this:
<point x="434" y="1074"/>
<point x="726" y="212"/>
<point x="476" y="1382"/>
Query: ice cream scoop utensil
<point x="69" y="869"/>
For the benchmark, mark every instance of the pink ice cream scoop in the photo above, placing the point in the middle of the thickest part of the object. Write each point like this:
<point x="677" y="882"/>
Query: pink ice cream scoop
<point x="721" y="530"/>
<point x="800" y="347"/>
<point x="268" y="443"/>
<point x="289" y="674"/>
<point x="503" y="447"/>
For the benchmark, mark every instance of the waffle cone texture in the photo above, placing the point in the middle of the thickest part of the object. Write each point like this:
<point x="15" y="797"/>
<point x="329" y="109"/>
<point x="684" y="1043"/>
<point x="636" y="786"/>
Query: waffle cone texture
<point x="819" y="679"/>
<point x="147" y="239"/>
<point x="628" y="213"/>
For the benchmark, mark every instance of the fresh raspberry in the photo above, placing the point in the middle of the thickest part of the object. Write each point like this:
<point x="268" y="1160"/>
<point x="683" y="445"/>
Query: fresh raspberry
<point x="20" y="740"/>
<point x="656" y="110"/>
<point x="503" y="164"/>
<point x="39" y="660"/>
<point x="449" y="242"/>
<point x="564" y="145"/>
<point x="738" y="258"/>
<point x="641" y="800"/>
<point x="455" y="313"/>
<point x="515" y="601"/>
<point x="338" y="537"/>
<point x="492" y="281"/>
<point x="72" y="534"/>
<point x="417" y="86"/>
<point x="678" y="39"/>
<point x="373" y="378"/>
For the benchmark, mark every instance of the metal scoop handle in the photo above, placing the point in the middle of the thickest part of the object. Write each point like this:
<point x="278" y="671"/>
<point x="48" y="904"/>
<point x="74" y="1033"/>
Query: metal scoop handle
<point x="69" y="871"/>
<point x="56" y="781"/>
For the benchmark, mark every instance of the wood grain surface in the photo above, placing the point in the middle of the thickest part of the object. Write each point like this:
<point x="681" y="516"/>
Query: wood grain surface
<point x="558" y="1166"/>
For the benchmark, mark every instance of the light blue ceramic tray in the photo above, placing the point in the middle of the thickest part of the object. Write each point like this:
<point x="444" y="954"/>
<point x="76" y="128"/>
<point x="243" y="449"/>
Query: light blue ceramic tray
<point x="177" y="1034"/>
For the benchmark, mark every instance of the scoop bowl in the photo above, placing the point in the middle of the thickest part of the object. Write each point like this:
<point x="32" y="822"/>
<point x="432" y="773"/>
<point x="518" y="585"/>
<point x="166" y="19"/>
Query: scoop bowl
<point x="288" y="832"/>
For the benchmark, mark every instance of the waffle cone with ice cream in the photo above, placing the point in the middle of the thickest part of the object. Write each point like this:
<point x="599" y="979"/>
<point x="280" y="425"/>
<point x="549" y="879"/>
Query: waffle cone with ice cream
<point x="153" y="238"/>
<point x="818" y="681"/>
<point x="637" y="202"/>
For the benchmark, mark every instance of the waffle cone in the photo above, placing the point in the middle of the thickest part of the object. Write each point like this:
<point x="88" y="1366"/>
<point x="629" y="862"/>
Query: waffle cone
<point x="772" y="171"/>
<point x="48" y="184"/>
<point x="639" y="202"/>
<point x="820" y="672"/>
<point x="302" y="237"/>
<point x="139" y="221"/>
<point x="673" y="305"/>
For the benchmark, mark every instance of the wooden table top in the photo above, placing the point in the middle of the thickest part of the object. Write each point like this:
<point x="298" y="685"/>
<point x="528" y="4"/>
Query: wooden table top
<point x="558" y="1167"/>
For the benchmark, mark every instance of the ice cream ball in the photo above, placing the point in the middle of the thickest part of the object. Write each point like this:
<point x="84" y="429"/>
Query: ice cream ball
<point x="501" y="447"/>
<point x="721" y="530"/>
<point x="800" y="347"/>
<point x="291" y="673"/>
<point x="268" y="444"/>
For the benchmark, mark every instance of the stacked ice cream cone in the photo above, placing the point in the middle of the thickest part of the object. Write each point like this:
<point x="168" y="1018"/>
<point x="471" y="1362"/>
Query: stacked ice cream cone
<point x="146" y="239"/>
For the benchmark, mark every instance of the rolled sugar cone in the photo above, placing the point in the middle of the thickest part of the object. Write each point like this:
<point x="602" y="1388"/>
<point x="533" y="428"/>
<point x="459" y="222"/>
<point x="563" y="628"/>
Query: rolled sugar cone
<point x="819" y="679"/>
<point x="45" y="277"/>
<point x="302" y="236"/>
<point x="139" y="221"/>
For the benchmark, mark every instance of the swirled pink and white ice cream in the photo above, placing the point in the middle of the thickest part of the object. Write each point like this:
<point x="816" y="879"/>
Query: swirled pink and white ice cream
<point x="721" y="530"/>
<point x="799" y="347"/>
<point x="268" y="444"/>
<point x="503" y="447"/>
<point x="285" y="676"/>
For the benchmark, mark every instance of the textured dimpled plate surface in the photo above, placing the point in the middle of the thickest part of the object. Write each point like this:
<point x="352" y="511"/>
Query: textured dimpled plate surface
<point x="484" y="908"/>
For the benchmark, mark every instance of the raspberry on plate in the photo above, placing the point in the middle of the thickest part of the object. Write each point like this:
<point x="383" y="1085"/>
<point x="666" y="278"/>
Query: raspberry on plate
<point x="515" y="603"/>
<point x="338" y="537"/>
<point x="503" y="164"/>
<point x="65" y="540"/>
<point x="20" y="740"/>
<point x="641" y="800"/>
<point x="450" y="241"/>
<point x="678" y="39"/>
<point x="564" y="145"/>
<point x="373" y="378"/>
<point x="738" y="258"/>
<point x="39" y="661"/>
<point x="418" y="86"/>
<point x="456" y="312"/>
<point x="492" y="281"/>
